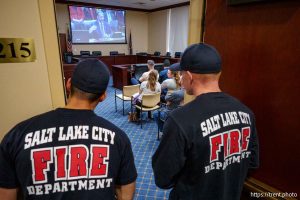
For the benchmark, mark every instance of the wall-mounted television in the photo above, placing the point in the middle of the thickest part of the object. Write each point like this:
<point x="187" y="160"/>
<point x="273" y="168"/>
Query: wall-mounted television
<point x="90" y="25"/>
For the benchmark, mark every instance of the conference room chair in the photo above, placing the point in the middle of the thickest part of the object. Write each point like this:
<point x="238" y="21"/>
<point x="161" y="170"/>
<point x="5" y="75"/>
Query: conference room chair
<point x="156" y="53"/>
<point x="126" y="94"/>
<point x="85" y="53"/>
<point x="113" y="53"/>
<point x="159" y="67"/>
<point x="149" y="103"/>
<point x="177" y="54"/>
<point x="68" y="57"/>
<point x="96" y="53"/>
<point x="142" y="54"/>
<point x="168" y="54"/>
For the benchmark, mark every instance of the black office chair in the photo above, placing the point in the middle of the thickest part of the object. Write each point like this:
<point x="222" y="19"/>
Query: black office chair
<point x="85" y="53"/>
<point x="141" y="53"/>
<point x="168" y="54"/>
<point x="139" y="69"/>
<point x="156" y="53"/>
<point x="68" y="57"/>
<point x="96" y="53"/>
<point x="159" y="67"/>
<point x="113" y="53"/>
<point x="177" y="54"/>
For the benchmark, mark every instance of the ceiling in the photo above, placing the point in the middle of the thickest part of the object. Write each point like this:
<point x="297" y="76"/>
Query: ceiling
<point x="137" y="4"/>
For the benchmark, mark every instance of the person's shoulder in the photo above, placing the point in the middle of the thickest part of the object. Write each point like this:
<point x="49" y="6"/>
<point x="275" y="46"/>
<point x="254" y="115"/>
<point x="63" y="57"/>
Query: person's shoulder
<point x="171" y="81"/>
<point x="145" y="73"/>
<point x="165" y="81"/>
<point x="163" y="72"/>
<point x="104" y="123"/>
<point x="40" y="117"/>
<point x="239" y="103"/>
<point x="144" y="83"/>
<point x="20" y="128"/>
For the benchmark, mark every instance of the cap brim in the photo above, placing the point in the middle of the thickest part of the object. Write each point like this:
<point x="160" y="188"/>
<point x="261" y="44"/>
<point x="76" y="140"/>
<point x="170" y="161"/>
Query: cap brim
<point x="175" y="67"/>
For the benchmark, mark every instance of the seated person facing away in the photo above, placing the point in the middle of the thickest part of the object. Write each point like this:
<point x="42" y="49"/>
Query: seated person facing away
<point x="172" y="83"/>
<point x="163" y="74"/>
<point x="145" y="75"/>
<point x="201" y="154"/>
<point x="151" y="86"/>
<point x="70" y="152"/>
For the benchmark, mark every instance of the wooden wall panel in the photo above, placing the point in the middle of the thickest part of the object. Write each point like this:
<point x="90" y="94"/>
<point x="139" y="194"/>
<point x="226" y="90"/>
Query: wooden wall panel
<point x="63" y="44"/>
<point x="128" y="59"/>
<point x="260" y="47"/>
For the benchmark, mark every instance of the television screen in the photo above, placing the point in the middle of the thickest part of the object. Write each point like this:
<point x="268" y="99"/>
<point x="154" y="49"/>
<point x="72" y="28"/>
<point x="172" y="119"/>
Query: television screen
<point x="97" y="25"/>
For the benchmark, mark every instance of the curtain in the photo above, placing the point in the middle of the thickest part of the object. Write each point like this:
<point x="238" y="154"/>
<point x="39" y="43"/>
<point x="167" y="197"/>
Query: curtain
<point x="178" y="29"/>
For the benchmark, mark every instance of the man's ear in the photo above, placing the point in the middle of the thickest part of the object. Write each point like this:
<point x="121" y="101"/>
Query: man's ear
<point x="68" y="86"/>
<point x="102" y="97"/>
<point x="190" y="76"/>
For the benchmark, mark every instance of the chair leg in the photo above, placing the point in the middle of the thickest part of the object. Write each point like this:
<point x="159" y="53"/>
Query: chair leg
<point x="141" y="114"/>
<point x="158" y="125"/>
<point x="123" y="107"/>
<point x="115" y="101"/>
<point x="131" y="105"/>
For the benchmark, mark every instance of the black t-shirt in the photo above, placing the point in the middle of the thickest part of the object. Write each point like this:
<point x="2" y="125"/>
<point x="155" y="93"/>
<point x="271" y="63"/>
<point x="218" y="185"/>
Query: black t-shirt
<point x="206" y="150"/>
<point x="66" y="154"/>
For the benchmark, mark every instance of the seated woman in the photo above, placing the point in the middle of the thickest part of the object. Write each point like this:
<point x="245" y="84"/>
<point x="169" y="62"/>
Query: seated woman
<point x="151" y="86"/>
<point x="170" y="84"/>
<point x="173" y="99"/>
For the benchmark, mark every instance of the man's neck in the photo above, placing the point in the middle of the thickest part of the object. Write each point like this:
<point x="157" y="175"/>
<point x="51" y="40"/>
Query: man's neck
<point x="206" y="88"/>
<point x="74" y="103"/>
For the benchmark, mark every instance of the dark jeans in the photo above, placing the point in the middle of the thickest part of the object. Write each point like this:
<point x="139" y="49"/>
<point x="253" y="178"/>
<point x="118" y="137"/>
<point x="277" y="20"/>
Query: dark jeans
<point x="138" y="112"/>
<point x="160" y="119"/>
<point x="134" y="81"/>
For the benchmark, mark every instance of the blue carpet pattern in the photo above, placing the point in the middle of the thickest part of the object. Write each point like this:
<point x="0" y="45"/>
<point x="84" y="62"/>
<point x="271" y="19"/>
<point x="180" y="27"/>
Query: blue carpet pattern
<point x="144" y="143"/>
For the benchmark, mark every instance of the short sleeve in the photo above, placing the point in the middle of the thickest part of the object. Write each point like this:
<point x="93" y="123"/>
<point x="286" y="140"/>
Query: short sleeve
<point x="143" y="85"/>
<point x="144" y="77"/>
<point x="158" y="87"/>
<point x="8" y="177"/>
<point x="170" y="156"/>
<point x="164" y="84"/>
<point x="127" y="172"/>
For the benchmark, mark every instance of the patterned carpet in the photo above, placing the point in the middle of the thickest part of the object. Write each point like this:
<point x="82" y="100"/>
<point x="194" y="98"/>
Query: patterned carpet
<point x="143" y="143"/>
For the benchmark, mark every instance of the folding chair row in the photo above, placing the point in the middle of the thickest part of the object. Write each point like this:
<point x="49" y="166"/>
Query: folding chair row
<point x="126" y="94"/>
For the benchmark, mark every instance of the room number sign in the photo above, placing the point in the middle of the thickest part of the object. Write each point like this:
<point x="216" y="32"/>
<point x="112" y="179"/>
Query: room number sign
<point x="17" y="50"/>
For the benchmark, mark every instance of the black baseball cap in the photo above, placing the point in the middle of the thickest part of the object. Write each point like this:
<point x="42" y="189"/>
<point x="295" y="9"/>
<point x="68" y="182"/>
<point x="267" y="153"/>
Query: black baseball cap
<point x="91" y="76"/>
<point x="175" y="67"/>
<point x="201" y="59"/>
<point x="150" y="62"/>
<point x="166" y="62"/>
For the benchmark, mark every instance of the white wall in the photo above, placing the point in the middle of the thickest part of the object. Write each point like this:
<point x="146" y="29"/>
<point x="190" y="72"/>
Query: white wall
<point x="25" y="87"/>
<point x="158" y="31"/>
<point x="136" y="22"/>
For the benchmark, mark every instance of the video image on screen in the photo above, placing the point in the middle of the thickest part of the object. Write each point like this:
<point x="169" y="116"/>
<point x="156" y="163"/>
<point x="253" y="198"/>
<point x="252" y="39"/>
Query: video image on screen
<point x="97" y="25"/>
